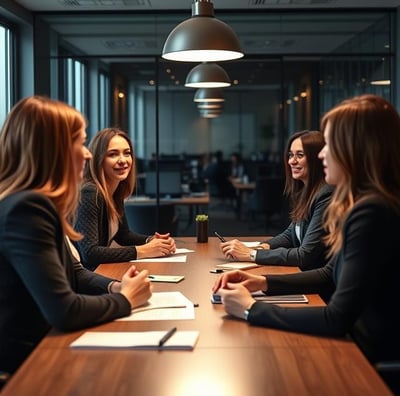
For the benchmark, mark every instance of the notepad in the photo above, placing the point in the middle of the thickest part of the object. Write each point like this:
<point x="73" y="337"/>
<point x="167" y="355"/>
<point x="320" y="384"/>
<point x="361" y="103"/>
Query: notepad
<point x="166" y="278"/>
<point x="163" y="306"/>
<point x="237" y="265"/>
<point x="184" y="340"/>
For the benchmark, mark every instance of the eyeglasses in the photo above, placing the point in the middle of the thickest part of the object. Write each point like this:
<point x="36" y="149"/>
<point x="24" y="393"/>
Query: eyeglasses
<point x="298" y="155"/>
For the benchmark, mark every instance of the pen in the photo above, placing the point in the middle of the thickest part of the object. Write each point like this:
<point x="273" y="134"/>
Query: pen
<point x="167" y="336"/>
<point x="222" y="239"/>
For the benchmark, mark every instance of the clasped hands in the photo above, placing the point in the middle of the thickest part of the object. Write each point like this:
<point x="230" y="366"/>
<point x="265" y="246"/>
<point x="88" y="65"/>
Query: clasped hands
<point x="159" y="245"/>
<point x="235" y="288"/>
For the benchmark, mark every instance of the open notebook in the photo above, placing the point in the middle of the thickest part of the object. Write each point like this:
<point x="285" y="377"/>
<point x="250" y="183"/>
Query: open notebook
<point x="185" y="340"/>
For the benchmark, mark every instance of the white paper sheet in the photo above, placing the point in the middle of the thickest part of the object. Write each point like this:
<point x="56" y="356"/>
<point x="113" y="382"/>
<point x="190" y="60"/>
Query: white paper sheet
<point x="170" y="259"/>
<point x="164" y="306"/>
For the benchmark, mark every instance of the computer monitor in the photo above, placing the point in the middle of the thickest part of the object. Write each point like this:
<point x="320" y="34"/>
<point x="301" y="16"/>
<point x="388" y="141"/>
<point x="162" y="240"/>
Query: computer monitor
<point x="170" y="184"/>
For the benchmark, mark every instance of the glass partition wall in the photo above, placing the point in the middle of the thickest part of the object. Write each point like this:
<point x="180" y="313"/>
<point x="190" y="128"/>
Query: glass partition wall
<point x="273" y="94"/>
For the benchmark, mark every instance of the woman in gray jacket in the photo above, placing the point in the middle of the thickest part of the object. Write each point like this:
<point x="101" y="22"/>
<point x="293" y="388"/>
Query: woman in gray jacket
<point x="301" y="244"/>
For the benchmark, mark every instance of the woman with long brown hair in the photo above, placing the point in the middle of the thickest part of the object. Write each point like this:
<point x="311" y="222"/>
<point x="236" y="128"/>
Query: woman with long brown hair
<point x="42" y="156"/>
<point x="361" y="158"/>
<point x="301" y="244"/>
<point x="108" y="180"/>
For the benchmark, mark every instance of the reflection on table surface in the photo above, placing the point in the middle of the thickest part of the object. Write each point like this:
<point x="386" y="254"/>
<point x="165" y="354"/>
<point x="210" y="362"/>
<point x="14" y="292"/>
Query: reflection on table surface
<point x="230" y="358"/>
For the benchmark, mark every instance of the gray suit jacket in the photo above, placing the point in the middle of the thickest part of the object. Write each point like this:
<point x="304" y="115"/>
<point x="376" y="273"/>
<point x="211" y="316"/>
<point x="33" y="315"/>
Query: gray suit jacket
<point x="286" y="249"/>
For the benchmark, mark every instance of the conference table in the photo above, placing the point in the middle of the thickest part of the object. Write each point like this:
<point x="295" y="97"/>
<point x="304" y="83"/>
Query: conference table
<point x="231" y="357"/>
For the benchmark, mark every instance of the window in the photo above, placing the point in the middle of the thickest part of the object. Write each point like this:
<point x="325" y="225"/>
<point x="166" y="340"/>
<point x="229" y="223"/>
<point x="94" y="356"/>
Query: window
<point x="5" y="72"/>
<point x="104" y="100"/>
<point x="73" y="89"/>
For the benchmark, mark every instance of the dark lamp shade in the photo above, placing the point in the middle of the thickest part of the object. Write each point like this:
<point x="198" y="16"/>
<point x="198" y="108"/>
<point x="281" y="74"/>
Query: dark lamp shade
<point x="202" y="38"/>
<point x="209" y="95"/>
<point x="207" y="75"/>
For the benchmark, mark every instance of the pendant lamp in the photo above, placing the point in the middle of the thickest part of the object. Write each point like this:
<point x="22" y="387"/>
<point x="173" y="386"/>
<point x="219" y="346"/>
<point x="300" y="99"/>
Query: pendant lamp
<point x="210" y="106"/>
<point x="207" y="75"/>
<point x="210" y="113"/>
<point x="202" y="38"/>
<point x="209" y="95"/>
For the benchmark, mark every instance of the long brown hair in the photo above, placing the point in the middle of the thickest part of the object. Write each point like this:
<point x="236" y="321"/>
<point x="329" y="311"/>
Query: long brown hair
<point x="36" y="154"/>
<point x="94" y="172"/>
<point x="302" y="195"/>
<point x="364" y="141"/>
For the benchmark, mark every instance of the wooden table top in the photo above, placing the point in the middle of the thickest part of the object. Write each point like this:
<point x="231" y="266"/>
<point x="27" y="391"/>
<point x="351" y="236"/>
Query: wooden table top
<point x="230" y="358"/>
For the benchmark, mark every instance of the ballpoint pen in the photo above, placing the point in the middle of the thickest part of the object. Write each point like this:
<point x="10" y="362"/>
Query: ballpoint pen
<point x="221" y="238"/>
<point x="167" y="336"/>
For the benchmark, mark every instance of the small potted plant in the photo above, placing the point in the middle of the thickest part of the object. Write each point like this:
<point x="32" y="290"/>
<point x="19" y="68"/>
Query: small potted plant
<point x="202" y="228"/>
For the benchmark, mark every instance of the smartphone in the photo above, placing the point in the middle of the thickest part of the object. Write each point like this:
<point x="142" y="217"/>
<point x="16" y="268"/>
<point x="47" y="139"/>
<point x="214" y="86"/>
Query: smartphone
<point x="216" y="299"/>
<point x="222" y="239"/>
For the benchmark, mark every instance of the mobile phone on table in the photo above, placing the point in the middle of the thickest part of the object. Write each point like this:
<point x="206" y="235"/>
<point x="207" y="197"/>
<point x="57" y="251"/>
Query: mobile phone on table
<point x="221" y="238"/>
<point x="216" y="299"/>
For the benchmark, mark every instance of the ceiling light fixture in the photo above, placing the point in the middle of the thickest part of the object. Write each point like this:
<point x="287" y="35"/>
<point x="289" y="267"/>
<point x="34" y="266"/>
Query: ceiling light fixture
<point x="209" y="95"/>
<point x="209" y="106"/>
<point x="202" y="38"/>
<point x="207" y="75"/>
<point x="210" y="113"/>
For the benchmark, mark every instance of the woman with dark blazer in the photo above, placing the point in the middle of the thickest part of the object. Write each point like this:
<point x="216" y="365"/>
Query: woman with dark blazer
<point x="361" y="158"/>
<point x="109" y="179"/>
<point x="42" y="285"/>
<point x="301" y="243"/>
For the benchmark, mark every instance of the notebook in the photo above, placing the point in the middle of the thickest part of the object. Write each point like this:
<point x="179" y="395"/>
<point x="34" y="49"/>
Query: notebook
<point x="237" y="265"/>
<point x="184" y="340"/>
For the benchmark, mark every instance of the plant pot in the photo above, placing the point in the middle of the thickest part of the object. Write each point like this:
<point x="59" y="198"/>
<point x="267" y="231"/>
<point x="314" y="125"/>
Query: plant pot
<point x="202" y="231"/>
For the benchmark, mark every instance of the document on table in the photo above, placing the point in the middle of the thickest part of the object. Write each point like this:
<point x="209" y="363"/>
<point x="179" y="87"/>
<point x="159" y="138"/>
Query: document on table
<point x="164" y="306"/>
<point x="251" y="244"/>
<point x="169" y="259"/>
<point x="185" y="340"/>
<point x="241" y="265"/>
<point x="177" y="257"/>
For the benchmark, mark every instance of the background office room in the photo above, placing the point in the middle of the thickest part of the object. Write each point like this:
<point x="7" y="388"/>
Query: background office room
<point x="104" y="58"/>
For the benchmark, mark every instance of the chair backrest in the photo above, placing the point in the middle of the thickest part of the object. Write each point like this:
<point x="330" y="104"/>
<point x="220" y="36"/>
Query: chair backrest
<point x="267" y="196"/>
<point x="147" y="218"/>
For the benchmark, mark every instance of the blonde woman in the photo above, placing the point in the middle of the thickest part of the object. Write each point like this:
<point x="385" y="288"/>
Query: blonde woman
<point x="361" y="157"/>
<point x="42" y="155"/>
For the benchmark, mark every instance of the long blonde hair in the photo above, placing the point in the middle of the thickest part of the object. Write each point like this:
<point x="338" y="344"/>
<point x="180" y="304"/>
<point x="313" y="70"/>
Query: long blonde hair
<point x="364" y="141"/>
<point x="36" y="154"/>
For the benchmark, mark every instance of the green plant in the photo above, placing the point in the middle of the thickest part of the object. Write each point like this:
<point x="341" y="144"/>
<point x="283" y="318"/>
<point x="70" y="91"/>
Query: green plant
<point x="201" y="217"/>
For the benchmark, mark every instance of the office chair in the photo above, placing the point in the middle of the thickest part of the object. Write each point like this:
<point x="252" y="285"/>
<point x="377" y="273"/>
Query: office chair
<point x="146" y="217"/>
<point x="266" y="200"/>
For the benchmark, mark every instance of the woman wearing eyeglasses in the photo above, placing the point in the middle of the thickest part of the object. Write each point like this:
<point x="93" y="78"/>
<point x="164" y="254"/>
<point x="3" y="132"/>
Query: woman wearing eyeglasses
<point x="301" y="243"/>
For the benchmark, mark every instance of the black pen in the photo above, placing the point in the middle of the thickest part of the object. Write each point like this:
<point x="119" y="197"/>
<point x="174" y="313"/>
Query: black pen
<point x="167" y="336"/>
<point x="222" y="239"/>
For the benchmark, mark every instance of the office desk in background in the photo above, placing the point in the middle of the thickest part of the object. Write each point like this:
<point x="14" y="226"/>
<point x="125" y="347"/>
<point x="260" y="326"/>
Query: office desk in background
<point x="231" y="357"/>
<point x="196" y="203"/>
<point x="241" y="190"/>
